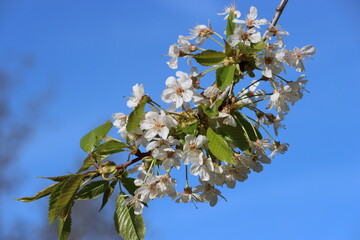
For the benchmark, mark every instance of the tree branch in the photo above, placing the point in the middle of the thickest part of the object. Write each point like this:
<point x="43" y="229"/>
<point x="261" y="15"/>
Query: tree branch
<point x="140" y="156"/>
<point x="278" y="12"/>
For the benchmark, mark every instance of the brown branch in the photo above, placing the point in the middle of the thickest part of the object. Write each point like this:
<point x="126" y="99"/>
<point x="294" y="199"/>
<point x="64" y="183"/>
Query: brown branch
<point x="139" y="155"/>
<point x="121" y="167"/>
<point x="278" y="12"/>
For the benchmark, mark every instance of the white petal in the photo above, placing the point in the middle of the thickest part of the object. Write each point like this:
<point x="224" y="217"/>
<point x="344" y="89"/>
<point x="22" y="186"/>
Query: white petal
<point x="171" y="82"/>
<point x="253" y="13"/>
<point x="187" y="95"/>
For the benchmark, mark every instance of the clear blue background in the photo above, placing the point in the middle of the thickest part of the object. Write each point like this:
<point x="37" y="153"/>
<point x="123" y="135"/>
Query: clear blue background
<point x="92" y="52"/>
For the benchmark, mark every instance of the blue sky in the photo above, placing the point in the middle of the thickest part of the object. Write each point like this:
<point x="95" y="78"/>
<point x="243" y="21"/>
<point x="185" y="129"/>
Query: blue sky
<point x="92" y="52"/>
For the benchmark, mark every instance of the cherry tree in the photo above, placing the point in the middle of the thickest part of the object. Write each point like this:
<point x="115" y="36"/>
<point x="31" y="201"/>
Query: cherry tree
<point x="218" y="133"/>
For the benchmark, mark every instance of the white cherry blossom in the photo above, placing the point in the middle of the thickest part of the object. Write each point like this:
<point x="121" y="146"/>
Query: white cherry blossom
<point x="201" y="33"/>
<point x="208" y="193"/>
<point x="296" y="58"/>
<point x="173" y="52"/>
<point x="179" y="91"/>
<point x="203" y="168"/>
<point x="157" y="124"/>
<point x="136" y="203"/>
<point x="250" y="20"/>
<point x="192" y="148"/>
<point x="229" y="9"/>
<point x="138" y="92"/>
<point x="245" y="36"/>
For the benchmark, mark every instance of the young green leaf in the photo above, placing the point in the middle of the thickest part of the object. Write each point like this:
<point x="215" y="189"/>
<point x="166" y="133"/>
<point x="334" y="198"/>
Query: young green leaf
<point x="88" y="163"/>
<point x="209" y="57"/>
<point x="58" y="178"/>
<point x="225" y="76"/>
<point x="251" y="131"/>
<point x="219" y="147"/>
<point x="64" y="227"/>
<point x="111" y="147"/>
<point x="107" y="194"/>
<point x="237" y="136"/>
<point x="136" y="115"/>
<point x="92" y="190"/>
<point x="229" y="50"/>
<point x="208" y="111"/>
<point x="129" y="225"/>
<point x="54" y="197"/>
<point x="192" y="129"/>
<point x="245" y="49"/>
<point x="93" y="138"/>
<point x="64" y="196"/>
<point x="40" y="194"/>
<point x="230" y="27"/>
<point x="259" y="46"/>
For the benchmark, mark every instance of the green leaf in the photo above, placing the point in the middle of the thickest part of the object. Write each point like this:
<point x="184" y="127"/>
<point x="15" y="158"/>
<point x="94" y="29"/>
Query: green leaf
<point x="129" y="184"/>
<point x="58" y="178"/>
<point x="259" y="46"/>
<point x="93" y="138"/>
<point x="208" y="111"/>
<point x="237" y="136"/>
<point x="62" y="198"/>
<point x="107" y="194"/>
<point x="245" y="49"/>
<point x="88" y="163"/>
<point x="251" y="131"/>
<point x="92" y="190"/>
<point x="216" y="105"/>
<point x="64" y="227"/>
<point x="229" y="50"/>
<point x="42" y="193"/>
<point x="225" y="76"/>
<point x="54" y="197"/>
<point x="219" y="147"/>
<point x="111" y="147"/>
<point x="209" y="57"/>
<point x="192" y="129"/>
<point x="230" y="27"/>
<point x="129" y="225"/>
<point x="136" y="115"/>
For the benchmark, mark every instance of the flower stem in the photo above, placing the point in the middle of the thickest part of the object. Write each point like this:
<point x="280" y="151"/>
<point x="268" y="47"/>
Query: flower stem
<point x="222" y="45"/>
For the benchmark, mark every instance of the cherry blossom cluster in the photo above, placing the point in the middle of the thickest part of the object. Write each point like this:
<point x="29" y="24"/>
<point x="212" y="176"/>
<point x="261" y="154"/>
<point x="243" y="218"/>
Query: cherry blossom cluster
<point x="177" y="137"/>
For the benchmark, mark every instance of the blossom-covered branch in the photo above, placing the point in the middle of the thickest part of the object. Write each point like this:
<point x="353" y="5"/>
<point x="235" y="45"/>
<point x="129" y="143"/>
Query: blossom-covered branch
<point x="216" y="133"/>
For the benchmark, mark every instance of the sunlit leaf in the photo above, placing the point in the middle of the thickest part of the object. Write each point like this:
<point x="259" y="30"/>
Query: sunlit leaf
<point x="245" y="49"/>
<point x="237" y="136"/>
<point x="136" y="115"/>
<point x="219" y="147"/>
<point x="64" y="196"/>
<point x="230" y="27"/>
<point x="129" y="225"/>
<point x="89" y="161"/>
<point x="259" y="46"/>
<point x="93" y="138"/>
<point x="209" y="57"/>
<point x="92" y="190"/>
<point x="58" y="178"/>
<point x="64" y="227"/>
<point x="225" y="76"/>
<point x="111" y="147"/>
<point x="40" y="194"/>
<point x="249" y="128"/>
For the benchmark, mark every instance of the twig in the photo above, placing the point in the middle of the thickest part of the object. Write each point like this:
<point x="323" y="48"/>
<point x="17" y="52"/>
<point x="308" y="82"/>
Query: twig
<point x="278" y="12"/>
<point x="277" y="15"/>
<point x="139" y="155"/>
